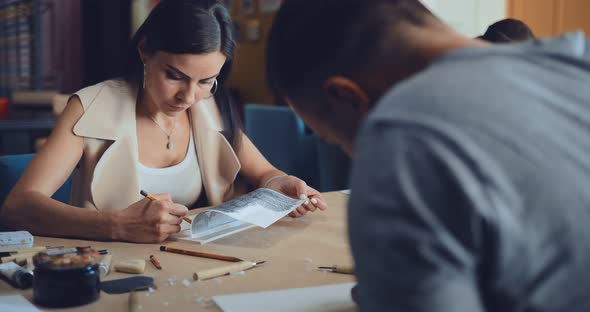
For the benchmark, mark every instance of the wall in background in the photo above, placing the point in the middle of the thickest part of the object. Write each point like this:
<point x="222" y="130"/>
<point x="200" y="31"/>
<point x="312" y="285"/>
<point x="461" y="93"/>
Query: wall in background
<point x="552" y="17"/>
<point x="469" y="17"/>
<point x="140" y="9"/>
<point x="248" y="75"/>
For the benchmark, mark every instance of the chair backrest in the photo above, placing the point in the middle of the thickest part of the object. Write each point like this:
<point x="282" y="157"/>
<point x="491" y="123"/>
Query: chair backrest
<point x="281" y="137"/>
<point x="13" y="166"/>
<point x="334" y="167"/>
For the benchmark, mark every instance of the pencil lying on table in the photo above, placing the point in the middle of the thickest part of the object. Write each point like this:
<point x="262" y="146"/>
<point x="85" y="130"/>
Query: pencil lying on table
<point x="200" y="254"/>
<point x="155" y="262"/>
<point x="152" y="197"/>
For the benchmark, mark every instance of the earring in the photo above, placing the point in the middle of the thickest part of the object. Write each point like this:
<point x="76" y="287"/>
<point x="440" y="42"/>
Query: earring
<point x="143" y="86"/>
<point x="213" y="89"/>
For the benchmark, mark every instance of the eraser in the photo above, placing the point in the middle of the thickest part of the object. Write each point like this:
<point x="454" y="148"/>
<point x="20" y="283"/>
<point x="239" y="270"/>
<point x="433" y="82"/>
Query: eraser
<point x="131" y="266"/>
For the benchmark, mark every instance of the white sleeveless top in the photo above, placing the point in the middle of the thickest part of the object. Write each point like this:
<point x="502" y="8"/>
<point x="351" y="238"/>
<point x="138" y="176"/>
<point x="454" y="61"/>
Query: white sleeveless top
<point x="182" y="181"/>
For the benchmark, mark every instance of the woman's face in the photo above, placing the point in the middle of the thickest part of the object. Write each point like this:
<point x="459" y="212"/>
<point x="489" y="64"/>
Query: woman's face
<point x="174" y="82"/>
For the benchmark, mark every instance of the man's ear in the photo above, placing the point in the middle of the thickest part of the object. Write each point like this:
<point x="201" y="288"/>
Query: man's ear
<point x="344" y="91"/>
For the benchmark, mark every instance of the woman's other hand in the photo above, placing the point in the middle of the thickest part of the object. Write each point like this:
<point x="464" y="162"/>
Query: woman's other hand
<point x="297" y="188"/>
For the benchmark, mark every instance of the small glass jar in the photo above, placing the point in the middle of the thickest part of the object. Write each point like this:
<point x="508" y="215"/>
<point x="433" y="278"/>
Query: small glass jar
<point x="66" y="280"/>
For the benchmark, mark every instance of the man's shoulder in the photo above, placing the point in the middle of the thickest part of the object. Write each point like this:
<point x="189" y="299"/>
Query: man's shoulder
<point x="430" y="91"/>
<point x="461" y="82"/>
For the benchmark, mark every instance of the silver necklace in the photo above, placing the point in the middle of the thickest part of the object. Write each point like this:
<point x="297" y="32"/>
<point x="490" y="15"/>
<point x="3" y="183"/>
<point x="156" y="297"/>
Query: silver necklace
<point x="169" y="145"/>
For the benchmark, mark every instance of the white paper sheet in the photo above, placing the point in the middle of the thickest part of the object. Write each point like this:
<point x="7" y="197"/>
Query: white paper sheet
<point x="347" y="192"/>
<point x="16" y="303"/>
<point x="261" y="207"/>
<point x="313" y="299"/>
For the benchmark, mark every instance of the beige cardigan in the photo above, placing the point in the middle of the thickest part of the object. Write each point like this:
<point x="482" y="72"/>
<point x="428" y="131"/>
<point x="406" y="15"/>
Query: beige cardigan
<point x="106" y="178"/>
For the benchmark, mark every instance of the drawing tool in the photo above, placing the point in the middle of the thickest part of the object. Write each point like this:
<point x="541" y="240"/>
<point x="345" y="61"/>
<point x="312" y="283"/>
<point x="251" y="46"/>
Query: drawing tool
<point x="155" y="262"/>
<point x="225" y="270"/>
<point x="200" y="254"/>
<point x="152" y="197"/>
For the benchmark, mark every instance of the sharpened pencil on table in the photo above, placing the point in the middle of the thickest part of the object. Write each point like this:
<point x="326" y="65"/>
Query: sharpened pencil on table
<point x="200" y="254"/>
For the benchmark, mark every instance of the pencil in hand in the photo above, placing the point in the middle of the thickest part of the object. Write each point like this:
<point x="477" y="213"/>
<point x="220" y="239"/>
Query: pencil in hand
<point x="146" y="195"/>
<point x="152" y="197"/>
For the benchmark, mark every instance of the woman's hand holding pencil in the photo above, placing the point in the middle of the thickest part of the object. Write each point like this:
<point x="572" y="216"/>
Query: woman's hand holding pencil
<point x="152" y="197"/>
<point x="148" y="220"/>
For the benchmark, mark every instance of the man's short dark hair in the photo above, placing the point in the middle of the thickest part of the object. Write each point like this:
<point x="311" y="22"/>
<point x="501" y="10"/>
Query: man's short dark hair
<point x="508" y="30"/>
<point x="310" y="38"/>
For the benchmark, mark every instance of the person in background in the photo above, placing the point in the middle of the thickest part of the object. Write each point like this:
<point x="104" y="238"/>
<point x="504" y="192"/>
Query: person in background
<point x="508" y="30"/>
<point x="166" y="126"/>
<point x="469" y="188"/>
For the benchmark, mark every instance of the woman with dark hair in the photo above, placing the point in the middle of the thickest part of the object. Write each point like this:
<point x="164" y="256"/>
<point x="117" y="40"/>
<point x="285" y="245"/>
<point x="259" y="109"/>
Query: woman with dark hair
<point x="166" y="126"/>
<point x="508" y="30"/>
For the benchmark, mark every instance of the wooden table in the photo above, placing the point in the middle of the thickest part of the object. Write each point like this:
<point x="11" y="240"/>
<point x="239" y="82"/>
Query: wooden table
<point x="293" y="248"/>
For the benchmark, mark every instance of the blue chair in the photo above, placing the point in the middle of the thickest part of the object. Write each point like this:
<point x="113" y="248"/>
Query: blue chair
<point x="281" y="137"/>
<point x="334" y="167"/>
<point x="12" y="167"/>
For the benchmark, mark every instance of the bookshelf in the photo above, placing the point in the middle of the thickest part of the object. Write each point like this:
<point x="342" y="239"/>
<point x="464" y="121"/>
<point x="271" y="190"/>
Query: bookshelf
<point x="21" y="35"/>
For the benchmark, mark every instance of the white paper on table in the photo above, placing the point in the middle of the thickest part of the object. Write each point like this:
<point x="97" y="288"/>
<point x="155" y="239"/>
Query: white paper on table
<point x="261" y="208"/>
<point x="317" y="299"/>
<point x="347" y="192"/>
<point x="16" y="303"/>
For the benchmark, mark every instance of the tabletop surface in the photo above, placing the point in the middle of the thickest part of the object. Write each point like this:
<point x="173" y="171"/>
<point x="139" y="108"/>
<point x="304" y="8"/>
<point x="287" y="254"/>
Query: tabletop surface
<point x="292" y="247"/>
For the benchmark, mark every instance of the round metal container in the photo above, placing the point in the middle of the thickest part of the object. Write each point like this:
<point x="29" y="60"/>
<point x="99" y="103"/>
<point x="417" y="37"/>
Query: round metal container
<point x="66" y="280"/>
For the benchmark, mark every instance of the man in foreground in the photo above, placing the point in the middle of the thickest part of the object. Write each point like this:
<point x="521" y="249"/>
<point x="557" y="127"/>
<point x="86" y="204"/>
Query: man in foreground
<point x="471" y="167"/>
